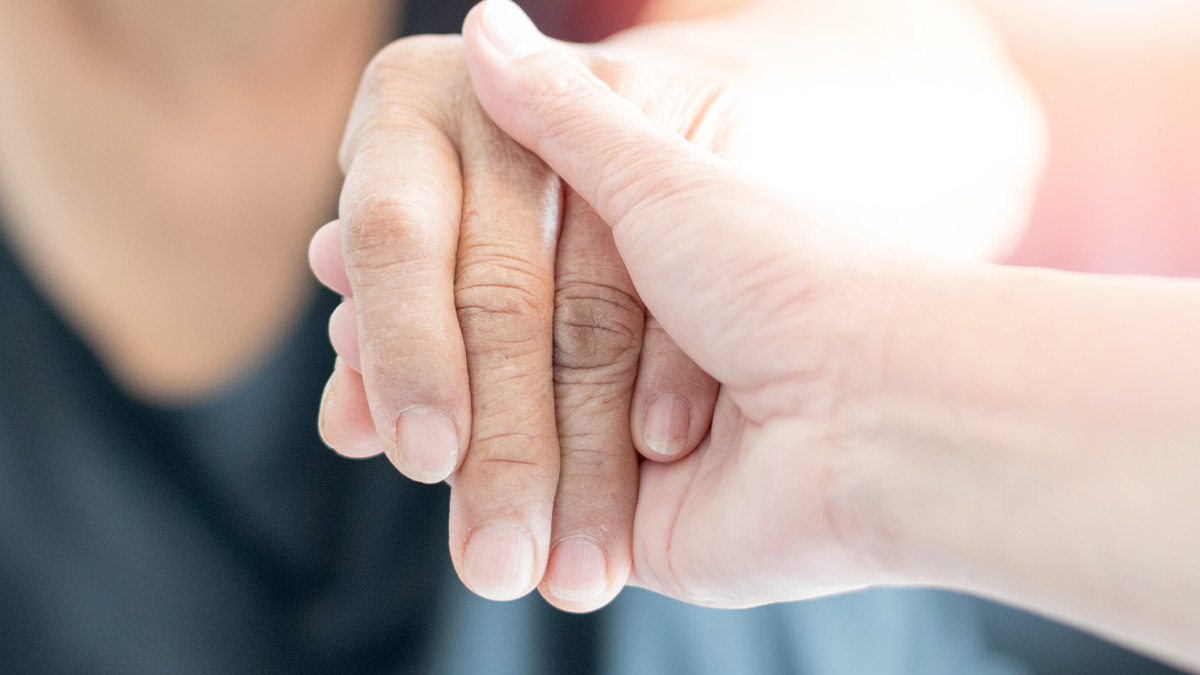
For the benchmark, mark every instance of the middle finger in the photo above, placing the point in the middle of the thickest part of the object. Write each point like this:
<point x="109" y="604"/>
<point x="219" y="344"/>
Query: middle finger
<point x="502" y="498"/>
<point x="598" y="326"/>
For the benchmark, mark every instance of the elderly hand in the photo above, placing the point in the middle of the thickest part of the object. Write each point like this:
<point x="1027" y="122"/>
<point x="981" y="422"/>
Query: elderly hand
<point x="475" y="340"/>
<point x="454" y="266"/>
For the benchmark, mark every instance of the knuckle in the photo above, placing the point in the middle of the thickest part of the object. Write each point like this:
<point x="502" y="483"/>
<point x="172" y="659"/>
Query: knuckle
<point x="599" y="470"/>
<point x="596" y="327"/>
<point x="618" y="74"/>
<point x="482" y="143"/>
<point x="383" y="230"/>
<point x="709" y="112"/>
<point x="514" y="456"/>
<point x="408" y="78"/>
<point x="414" y="55"/>
<point x="509" y="446"/>
<point x="375" y="131"/>
<point x="717" y="113"/>
<point x="504" y="299"/>
<point x="585" y="454"/>
<point x="586" y="394"/>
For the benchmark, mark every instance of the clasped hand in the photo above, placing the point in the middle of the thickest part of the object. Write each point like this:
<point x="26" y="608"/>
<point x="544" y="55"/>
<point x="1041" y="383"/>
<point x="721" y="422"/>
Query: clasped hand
<point x="491" y="335"/>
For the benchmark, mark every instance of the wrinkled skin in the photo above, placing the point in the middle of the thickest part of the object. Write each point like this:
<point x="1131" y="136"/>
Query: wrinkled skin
<point x="477" y="286"/>
<point x="519" y="286"/>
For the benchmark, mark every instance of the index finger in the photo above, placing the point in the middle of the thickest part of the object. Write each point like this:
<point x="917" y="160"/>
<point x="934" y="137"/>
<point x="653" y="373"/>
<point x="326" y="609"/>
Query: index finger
<point x="400" y="211"/>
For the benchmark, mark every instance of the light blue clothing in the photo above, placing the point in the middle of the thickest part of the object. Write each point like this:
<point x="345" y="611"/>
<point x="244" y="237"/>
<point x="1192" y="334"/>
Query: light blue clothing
<point x="879" y="632"/>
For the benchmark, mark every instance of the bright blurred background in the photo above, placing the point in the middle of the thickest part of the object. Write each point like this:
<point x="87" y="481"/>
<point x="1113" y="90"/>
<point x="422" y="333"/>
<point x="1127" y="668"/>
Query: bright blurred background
<point x="1120" y="82"/>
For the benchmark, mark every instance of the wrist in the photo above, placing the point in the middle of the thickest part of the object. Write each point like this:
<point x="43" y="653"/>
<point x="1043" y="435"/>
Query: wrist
<point x="1000" y="391"/>
<point x="1033" y="440"/>
<point x="926" y="460"/>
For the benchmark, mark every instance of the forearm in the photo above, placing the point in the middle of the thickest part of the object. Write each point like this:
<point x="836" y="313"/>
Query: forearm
<point x="1044" y="439"/>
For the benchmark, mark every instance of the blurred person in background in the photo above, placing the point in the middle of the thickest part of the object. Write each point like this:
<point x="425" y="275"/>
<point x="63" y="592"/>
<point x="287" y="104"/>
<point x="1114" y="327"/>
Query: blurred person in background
<point x="165" y="503"/>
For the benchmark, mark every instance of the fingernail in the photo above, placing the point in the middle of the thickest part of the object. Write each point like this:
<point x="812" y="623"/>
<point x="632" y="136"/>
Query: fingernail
<point x="428" y="444"/>
<point x="498" y="563"/>
<point x="578" y="570"/>
<point x="321" y="412"/>
<point x="667" y="424"/>
<point x="510" y="31"/>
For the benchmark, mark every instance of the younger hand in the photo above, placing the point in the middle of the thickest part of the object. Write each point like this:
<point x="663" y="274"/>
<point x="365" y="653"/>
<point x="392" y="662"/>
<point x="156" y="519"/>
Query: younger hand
<point x="1025" y="435"/>
<point x="784" y="313"/>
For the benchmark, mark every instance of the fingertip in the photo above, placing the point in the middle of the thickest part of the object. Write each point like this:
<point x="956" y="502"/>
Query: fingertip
<point x="499" y="40"/>
<point x="479" y="50"/>
<point x="491" y="77"/>
<point x="577" y="572"/>
<point x="343" y="334"/>
<point x="499" y="561"/>
<point x="580" y="579"/>
<point x="509" y="30"/>
<point x="572" y="607"/>
<point x="665" y="431"/>
<point x="325" y="259"/>
<point x="671" y="426"/>
<point x="344" y="422"/>
<point x="471" y="21"/>
<point x="427" y="445"/>
<point x="673" y="401"/>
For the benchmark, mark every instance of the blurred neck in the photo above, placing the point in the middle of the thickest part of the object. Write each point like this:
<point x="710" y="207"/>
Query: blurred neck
<point x="174" y="44"/>
<point x="164" y="162"/>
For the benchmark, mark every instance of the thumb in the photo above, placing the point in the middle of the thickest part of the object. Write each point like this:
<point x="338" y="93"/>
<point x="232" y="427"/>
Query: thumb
<point x="694" y="234"/>
<point x="542" y="94"/>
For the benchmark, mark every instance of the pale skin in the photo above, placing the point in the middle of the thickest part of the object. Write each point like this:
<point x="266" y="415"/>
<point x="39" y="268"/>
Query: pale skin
<point x="440" y="354"/>
<point x="162" y="166"/>
<point x="885" y="418"/>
